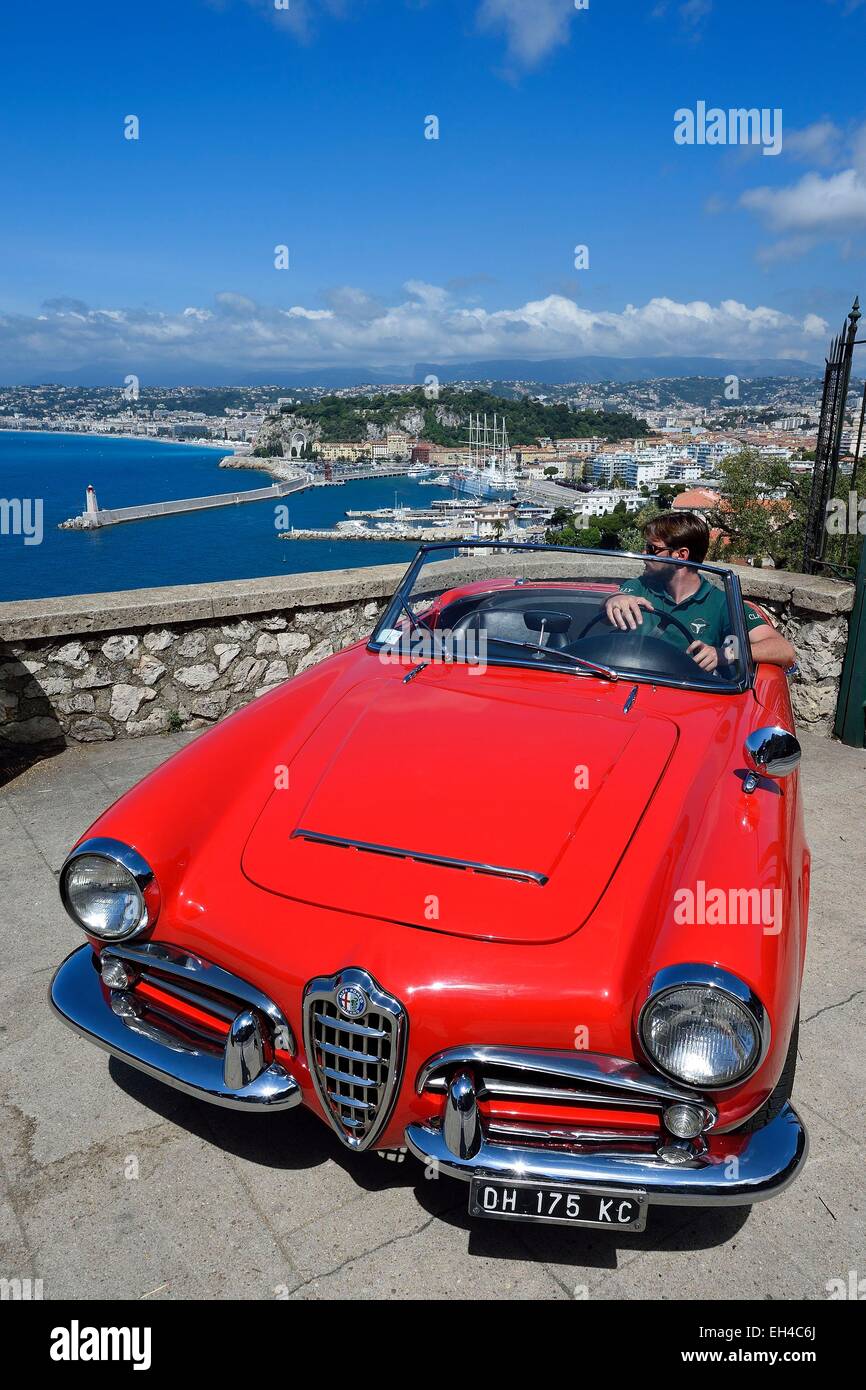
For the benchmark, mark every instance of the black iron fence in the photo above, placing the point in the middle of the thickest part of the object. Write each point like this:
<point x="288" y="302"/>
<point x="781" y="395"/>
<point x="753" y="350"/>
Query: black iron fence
<point x="833" y="551"/>
<point x="821" y="554"/>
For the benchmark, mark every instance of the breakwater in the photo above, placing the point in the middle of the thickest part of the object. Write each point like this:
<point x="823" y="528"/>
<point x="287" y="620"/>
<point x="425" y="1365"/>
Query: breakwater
<point x="393" y="532"/>
<point x="113" y="516"/>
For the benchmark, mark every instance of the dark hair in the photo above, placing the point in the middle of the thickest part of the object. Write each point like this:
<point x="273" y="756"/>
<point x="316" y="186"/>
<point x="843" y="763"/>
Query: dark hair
<point x="680" y="530"/>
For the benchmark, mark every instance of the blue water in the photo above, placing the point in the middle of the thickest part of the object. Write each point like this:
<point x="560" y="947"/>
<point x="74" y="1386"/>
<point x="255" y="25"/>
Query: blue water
<point x="193" y="548"/>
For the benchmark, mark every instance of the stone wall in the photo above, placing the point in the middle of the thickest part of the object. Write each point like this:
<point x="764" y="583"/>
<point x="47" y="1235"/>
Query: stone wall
<point x="813" y="614"/>
<point x="120" y="665"/>
<point x="146" y="661"/>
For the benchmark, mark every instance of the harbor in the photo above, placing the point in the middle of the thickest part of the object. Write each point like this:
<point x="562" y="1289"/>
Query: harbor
<point x="487" y="475"/>
<point x="491" y="502"/>
<point x="457" y="520"/>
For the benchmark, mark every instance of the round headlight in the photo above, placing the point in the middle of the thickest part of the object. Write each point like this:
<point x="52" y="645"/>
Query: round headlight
<point x="105" y="886"/>
<point x="704" y="1032"/>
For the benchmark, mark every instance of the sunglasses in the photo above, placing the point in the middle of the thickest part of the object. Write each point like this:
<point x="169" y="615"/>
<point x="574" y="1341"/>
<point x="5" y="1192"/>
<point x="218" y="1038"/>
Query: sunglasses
<point x="655" y="549"/>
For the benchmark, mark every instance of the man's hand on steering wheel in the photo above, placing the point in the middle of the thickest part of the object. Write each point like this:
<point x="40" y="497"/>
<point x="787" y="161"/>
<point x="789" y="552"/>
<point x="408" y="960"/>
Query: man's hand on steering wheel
<point x="707" y="657"/>
<point x="623" y="611"/>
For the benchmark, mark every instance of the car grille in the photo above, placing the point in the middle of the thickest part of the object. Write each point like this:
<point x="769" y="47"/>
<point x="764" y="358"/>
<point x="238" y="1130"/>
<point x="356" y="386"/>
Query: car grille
<point x="356" y="1056"/>
<point x="178" y="1001"/>
<point x="576" y="1102"/>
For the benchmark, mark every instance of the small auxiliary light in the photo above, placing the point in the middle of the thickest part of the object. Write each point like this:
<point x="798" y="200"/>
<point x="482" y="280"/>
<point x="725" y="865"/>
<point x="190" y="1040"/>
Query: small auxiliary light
<point x="115" y="974"/>
<point x="676" y="1153"/>
<point x="685" y="1121"/>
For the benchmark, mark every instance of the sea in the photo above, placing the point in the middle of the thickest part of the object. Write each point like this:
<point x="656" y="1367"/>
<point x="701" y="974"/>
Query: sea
<point x="192" y="548"/>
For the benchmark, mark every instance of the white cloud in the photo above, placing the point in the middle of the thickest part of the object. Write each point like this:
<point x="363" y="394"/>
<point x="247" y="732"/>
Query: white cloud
<point x="832" y="205"/>
<point x="819" y="143"/>
<point x="532" y="27"/>
<point x="428" y="324"/>
<point x="819" y="207"/>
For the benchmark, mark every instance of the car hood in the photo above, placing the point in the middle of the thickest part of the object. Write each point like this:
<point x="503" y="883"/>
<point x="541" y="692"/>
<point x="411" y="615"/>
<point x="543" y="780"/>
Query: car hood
<point x="529" y="796"/>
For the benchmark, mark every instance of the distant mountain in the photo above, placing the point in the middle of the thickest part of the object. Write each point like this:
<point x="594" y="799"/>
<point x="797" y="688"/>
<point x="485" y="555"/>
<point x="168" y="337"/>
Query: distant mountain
<point x="553" y="371"/>
<point x="589" y="370"/>
<point x="102" y="375"/>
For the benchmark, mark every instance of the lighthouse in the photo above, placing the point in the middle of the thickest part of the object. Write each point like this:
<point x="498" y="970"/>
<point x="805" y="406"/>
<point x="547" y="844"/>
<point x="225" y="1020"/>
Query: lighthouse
<point x="91" y="507"/>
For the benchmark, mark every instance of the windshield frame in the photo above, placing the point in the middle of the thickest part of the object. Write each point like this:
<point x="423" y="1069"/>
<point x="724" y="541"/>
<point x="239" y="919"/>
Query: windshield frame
<point x="400" y="602"/>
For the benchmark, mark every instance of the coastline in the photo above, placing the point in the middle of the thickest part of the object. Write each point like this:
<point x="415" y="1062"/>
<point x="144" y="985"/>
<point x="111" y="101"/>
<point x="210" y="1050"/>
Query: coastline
<point x="138" y="438"/>
<point x="208" y="546"/>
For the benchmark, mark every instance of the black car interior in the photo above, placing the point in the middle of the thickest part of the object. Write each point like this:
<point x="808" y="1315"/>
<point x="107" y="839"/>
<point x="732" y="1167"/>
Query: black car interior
<point x="573" y="622"/>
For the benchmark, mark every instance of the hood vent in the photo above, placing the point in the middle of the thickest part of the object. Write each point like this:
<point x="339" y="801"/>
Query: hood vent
<point x="442" y="861"/>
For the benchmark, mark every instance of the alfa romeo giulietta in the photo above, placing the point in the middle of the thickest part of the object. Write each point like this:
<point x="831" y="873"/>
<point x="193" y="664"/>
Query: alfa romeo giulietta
<point x="509" y="885"/>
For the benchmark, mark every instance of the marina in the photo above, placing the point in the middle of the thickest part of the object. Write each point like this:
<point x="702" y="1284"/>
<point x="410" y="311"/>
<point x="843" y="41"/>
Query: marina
<point x="461" y="521"/>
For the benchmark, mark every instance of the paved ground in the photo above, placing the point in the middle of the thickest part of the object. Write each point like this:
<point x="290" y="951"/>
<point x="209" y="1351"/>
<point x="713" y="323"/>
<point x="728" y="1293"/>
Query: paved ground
<point x="231" y="1206"/>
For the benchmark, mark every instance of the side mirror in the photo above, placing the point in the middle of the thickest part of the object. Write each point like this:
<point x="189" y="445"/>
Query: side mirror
<point x="770" y="752"/>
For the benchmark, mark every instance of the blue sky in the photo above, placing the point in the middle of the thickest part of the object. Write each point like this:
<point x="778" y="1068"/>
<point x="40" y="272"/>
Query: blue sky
<point x="304" y="127"/>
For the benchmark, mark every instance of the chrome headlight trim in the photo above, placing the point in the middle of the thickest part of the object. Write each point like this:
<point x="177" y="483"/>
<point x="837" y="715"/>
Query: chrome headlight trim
<point x="117" y="852"/>
<point x="674" y="977"/>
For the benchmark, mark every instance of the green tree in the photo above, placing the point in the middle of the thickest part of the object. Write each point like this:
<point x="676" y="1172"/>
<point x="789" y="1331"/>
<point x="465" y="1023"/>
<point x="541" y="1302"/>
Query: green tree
<point x="589" y="537"/>
<point x="571" y="532"/>
<point x="347" y="418"/>
<point x="761" y="511"/>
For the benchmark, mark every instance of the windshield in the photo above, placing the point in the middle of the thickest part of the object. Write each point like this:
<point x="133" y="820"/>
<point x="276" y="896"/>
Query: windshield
<point x="595" y="614"/>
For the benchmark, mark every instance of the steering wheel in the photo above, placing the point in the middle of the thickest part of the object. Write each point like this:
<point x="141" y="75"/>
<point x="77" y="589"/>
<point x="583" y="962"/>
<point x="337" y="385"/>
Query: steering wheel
<point x="647" y="649"/>
<point x="665" y="620"/>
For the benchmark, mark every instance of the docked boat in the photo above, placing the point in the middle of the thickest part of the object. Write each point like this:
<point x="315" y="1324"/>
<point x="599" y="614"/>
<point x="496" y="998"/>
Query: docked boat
<point x="489" y="471"/>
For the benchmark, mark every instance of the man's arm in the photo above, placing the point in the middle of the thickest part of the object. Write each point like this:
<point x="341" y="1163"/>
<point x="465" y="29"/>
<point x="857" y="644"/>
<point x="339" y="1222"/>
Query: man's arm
<point x="769" y="645"/>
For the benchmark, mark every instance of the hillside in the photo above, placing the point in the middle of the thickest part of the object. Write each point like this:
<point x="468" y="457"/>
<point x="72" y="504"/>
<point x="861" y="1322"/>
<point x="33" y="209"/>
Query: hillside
<point x="445" y="420"/>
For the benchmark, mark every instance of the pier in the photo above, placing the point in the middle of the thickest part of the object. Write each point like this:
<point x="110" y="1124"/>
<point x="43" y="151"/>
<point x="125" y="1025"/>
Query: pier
<point x="95" y="516"/>
<point x="344" y="476"/>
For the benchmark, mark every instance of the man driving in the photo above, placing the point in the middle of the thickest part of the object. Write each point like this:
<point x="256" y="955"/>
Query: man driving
<point x="688" y="596"/>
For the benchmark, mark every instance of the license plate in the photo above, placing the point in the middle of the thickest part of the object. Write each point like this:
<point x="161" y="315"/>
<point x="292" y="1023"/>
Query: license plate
<point x="557" y="1205"/>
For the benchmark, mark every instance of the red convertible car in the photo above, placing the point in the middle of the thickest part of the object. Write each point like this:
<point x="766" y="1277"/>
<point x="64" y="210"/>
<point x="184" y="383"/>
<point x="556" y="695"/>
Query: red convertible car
<point x="504" y="885"/>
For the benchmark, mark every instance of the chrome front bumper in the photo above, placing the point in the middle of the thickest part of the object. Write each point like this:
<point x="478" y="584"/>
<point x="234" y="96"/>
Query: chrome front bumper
<point x="746" y="1169"/>
<point x="726" y="1170"/>
<point x="77" y="996"/>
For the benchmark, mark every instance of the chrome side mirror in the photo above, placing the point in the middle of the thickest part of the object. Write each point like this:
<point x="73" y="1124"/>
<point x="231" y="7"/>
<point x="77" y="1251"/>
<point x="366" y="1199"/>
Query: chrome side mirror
<point x="770" y="752"/>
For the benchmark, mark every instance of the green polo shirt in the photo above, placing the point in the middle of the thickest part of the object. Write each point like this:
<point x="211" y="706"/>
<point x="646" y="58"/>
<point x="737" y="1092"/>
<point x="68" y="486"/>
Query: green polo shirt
<point x="704" y="613"/>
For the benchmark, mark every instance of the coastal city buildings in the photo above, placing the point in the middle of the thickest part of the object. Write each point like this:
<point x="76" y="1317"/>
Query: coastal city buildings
<point x="690" y="429"/>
